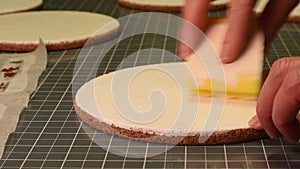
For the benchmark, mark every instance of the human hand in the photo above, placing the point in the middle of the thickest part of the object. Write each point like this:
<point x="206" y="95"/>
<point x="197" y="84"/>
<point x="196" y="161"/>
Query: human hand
<point x="241" y="17"/>
<point x="279" y="101"/>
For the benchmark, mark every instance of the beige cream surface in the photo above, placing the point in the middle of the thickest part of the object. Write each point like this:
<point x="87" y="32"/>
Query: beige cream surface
<point x="10" y="6"/>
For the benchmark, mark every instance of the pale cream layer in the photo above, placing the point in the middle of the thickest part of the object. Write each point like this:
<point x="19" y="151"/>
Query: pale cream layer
<point x="53" y="26"/>
<point x="9" y="6"/>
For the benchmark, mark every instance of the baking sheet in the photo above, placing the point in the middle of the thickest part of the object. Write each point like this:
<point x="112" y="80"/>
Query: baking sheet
<point x="49" y="134"/>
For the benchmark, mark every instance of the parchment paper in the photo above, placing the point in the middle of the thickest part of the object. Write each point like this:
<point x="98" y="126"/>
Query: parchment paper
<point x="19" y="75"/>
<point x="11" y="105"/>
<point x="30" y="66"/>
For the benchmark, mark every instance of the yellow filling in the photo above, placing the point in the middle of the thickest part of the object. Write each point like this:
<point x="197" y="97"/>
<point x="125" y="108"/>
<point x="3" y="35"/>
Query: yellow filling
<point x="248" y="87"/>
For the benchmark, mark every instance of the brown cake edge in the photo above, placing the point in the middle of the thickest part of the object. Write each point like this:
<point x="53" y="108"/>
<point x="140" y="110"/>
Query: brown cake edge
<point x="28" y="47"/>
<point x="226" y="137"/>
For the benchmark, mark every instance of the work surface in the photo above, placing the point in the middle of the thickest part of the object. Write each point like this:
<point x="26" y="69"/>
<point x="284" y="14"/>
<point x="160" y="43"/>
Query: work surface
<point x="49" y="134"/>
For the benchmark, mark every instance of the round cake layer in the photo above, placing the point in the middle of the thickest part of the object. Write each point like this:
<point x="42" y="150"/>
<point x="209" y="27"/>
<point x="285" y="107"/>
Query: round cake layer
<point x="11" y="6"/>
<point x="184" y="118"/>
<point x="58" y="29"/>
<point x="166" y="5"/>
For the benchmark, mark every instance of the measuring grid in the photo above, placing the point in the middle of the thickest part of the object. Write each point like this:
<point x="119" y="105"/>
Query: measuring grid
<point x="49" y="134"/>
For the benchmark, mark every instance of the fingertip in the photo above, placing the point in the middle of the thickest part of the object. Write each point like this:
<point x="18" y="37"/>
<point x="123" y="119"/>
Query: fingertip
<point x="293" y="141"/>
<point x="183" y="52"/>
<point x="254" y="123"/>
<point x="293" y="138"/>
<point x="228" y="54"/>
<point x="224" y="54"/>
<point x="183" y="56"/>
<point x="298" y="117"/>
<point x="240" y="26"/>
<point x="272" y="133"/>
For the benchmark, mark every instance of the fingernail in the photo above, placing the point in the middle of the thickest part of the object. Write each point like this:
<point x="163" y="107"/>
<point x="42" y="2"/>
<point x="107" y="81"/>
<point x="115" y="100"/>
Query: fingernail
<point x="184" y="55"/>
<point x="254" y="123"/>
<point x="225" y="53"/>
<point x="298" y="117"/>
<point x="274" y="135"/>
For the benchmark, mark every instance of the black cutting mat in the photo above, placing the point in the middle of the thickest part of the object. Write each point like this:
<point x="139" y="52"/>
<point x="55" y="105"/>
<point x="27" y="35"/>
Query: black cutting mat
<point x="49" y="134"/>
